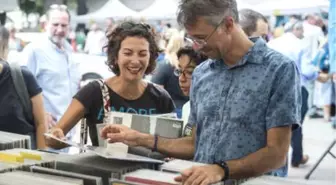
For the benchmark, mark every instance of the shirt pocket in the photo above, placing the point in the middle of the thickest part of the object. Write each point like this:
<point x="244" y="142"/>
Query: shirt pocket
<point x="50" y="76"/>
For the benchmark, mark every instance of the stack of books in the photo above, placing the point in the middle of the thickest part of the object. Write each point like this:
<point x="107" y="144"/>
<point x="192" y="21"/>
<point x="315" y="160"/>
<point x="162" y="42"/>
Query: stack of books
<point x="11" y="140"/>
<point x="145" y="176"/>
<point x="23" y="159"/>
<point x="27" y="178"/>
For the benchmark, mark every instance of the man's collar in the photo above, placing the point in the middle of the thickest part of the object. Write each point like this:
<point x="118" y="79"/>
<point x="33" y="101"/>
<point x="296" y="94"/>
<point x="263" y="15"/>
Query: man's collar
<point x="65" y="46"/>
<point x="253" y="55"/>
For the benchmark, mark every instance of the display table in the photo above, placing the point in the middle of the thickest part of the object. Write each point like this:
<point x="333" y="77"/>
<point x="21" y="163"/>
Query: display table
<point x="269" y="180"/>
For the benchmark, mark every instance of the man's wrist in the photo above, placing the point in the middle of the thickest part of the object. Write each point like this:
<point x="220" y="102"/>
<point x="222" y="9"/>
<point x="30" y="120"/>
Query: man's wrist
<point x="146" y="140"/>
<point x="220" y="170"/>
<point x="224" y="170"/>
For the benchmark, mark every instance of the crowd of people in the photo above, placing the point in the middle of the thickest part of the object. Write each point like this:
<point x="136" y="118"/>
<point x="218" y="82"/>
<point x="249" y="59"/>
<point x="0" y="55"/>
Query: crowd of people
<point x="242" y="90"/>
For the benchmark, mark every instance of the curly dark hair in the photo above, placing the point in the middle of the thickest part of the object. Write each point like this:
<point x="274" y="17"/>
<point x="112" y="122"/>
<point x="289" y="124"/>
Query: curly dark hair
<point x="130" y="29"/>
<point x="195" y="57"/>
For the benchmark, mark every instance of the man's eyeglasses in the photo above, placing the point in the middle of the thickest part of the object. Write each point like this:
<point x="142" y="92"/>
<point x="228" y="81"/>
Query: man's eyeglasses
<point x="200" y="43"/>
<point x="179" y="72"/>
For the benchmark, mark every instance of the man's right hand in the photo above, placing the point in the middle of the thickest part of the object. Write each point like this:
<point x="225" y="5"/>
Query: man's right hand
<point x="57" y="132"/>
<point x="120" y="133"/>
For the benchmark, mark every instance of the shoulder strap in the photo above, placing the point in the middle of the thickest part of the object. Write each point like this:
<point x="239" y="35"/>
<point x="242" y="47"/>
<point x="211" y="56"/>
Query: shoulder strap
<point x="21" y="89"/>
<point x="107" y="108"/>
<point x="106" y="99"/>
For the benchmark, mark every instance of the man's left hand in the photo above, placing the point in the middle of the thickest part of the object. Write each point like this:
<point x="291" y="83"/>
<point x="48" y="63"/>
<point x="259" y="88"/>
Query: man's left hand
<point x="201" y="175"/>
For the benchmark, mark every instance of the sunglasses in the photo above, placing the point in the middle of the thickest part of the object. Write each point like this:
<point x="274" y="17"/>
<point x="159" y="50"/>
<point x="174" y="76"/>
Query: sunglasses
<point x="130" y="25"/>
<point x="58" y="7"/>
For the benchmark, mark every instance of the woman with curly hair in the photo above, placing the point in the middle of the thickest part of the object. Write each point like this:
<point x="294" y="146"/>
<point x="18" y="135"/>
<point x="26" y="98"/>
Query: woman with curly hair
<point x="131" y="51"/>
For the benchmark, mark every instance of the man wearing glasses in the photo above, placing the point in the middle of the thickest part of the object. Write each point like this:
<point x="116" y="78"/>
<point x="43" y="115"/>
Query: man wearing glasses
<point x="49" y="59"/>
<point x="244" y="101"/>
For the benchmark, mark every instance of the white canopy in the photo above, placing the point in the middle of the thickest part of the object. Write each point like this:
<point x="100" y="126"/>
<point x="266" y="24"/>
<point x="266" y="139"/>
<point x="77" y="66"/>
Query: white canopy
<point x="287" y="7"/>
<point x="160" y="9"/>
<point x="8" y="5"/>
<point x="167" y="9"/>
<point x="113" y="8"/>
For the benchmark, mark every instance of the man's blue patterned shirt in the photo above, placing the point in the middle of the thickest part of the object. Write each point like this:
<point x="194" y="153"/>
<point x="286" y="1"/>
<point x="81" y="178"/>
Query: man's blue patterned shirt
<point x="234" y="107"/>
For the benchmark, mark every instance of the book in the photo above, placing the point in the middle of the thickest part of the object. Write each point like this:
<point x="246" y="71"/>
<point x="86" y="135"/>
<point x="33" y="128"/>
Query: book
<point x="87" y="179"/>
<point x="146" y="176"/>
<point x="162" y="125"/>
<point x="178" y="166"/>
<point x="28" y="158"/>
<point x="94" y="165"/>
<point x="28" y="178"/>
<point x="108" y="153"/>
<point x="11" y="140"/>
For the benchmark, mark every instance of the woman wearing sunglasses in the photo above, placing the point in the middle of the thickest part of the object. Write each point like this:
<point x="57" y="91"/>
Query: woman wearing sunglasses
<point x="131" y="52"/>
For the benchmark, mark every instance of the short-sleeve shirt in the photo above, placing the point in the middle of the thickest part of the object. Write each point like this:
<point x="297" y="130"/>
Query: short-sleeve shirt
<point x="234" y="107"/>
<point x="12" y="117"/>
<point x="164" y="75"/>
<point x="154" y="100"/>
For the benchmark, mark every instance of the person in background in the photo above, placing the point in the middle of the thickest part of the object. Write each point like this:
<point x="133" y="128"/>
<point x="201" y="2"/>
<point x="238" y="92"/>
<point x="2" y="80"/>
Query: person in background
<point x="326" y="90"/>
<point x="320" y="23"/>
<point x="332" y="44"/>
<point x="110" y="24"/>
<point x="132" y="51"/>
<point x="42" y="23"/>
<point x="15" y="44"/>
<point x="297" y="51"/>
<point x="188" y="59"/>
<point x="312" y="37"/>
<point x="72" y="39"/>
<point x="164" y="74"/>
<point x="12" y="113"/>
<point x="50" y="61"/>
<point x="80" y="39"/>
<point x="95" y="41"/>
<point x="244" y="102"/>
<point x="254" y="24"/>
<point x="291" y="20"/>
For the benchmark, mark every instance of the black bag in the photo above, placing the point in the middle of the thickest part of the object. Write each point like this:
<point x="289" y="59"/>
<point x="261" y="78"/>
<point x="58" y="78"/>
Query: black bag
<point x="21" y="89"/>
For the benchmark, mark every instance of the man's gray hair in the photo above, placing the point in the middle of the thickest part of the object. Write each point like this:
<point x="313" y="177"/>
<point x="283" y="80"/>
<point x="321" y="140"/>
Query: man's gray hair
<point x="212" y="10"/>
<point x="248" y="20"/>
<point x="57" y="7"/>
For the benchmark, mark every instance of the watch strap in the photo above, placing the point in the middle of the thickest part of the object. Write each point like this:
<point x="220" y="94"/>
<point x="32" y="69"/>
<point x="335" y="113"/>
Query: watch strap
<point x="226" y="169"/>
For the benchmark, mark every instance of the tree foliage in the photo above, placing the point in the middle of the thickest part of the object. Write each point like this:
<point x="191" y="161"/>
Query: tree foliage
<point x="32" y="6"/>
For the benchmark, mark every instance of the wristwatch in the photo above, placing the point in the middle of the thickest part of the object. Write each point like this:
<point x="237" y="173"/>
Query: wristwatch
<point x="225" y="167"/>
